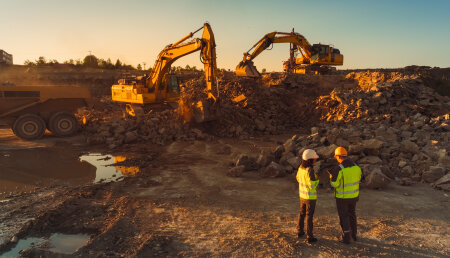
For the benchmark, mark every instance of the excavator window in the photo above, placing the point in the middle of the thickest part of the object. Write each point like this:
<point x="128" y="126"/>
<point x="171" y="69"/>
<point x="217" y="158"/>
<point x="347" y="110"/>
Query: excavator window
<point x="172" y="85"/>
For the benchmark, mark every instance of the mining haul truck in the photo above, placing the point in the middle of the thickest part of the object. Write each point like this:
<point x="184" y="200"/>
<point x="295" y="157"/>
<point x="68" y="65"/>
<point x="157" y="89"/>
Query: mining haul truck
<point x="30" y="110"/>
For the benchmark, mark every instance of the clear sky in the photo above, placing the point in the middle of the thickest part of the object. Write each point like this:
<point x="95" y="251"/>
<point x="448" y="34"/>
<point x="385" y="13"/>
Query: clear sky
<point x="370" y="34"/>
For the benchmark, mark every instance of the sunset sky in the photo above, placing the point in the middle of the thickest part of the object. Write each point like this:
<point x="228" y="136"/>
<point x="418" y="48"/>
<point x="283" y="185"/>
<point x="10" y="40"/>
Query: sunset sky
<point x="370" y="34"/>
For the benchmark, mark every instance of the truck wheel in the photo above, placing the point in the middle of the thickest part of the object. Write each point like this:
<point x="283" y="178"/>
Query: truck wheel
<point x="29" y="127"/>
<point x="63" y="124"/>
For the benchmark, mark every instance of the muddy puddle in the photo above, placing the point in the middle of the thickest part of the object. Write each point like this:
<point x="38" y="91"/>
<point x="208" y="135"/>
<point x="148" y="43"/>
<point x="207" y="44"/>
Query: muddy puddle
<point x="58" y="243"/>
<point x="24" y="170"/>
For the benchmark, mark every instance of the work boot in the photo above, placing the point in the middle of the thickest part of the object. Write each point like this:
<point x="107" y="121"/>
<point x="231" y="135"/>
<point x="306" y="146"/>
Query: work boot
<point x="345" y="238"/>
<point x="311" y="239"/>
<point x="300" y="234"/>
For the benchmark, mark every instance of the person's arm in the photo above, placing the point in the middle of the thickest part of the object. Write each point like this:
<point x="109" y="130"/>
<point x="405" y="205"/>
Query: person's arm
<point x="336" y="179"/>
<point x="363" y="178"/>
<point x="313" y="178"/>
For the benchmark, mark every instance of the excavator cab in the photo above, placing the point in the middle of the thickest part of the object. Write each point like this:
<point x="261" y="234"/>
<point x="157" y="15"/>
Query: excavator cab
<point x="170" y="90"/>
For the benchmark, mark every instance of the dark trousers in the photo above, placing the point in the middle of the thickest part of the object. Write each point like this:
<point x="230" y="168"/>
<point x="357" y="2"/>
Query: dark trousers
<point x="307" y="208"/>
<point x="347" y="215"/>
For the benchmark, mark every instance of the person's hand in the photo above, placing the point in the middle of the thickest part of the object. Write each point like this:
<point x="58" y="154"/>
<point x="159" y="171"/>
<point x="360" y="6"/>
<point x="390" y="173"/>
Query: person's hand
<point x="329" y="174"/>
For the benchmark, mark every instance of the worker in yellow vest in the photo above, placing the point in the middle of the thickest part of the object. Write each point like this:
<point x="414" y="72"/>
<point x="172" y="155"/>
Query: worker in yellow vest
<point x="307" y="184"/>
<point x="345" y="179"/>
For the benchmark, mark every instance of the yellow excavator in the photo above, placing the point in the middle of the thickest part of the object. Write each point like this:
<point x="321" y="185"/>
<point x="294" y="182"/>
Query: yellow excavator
<point x="161" y="87"/>
<point x="315" y="58"/>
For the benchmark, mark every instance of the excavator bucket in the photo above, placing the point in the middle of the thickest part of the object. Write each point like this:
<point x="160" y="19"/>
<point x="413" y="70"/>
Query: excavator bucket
<point x="201" y="111"/>
<point x="247" y="69"/>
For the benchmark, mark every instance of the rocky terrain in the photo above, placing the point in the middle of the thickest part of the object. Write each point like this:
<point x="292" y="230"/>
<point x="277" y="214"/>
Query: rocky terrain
<point x="227" y="187"/>
<point x="393" y="125"/>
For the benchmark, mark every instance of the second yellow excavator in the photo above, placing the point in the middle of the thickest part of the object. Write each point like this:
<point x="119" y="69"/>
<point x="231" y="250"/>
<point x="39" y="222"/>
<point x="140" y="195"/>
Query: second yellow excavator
<point x="161" y="87"/>
<point x="314" y="58"/>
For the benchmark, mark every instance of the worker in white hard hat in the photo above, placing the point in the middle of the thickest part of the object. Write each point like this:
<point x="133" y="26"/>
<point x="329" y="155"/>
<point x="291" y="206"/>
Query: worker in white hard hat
<point x="307" y="184"/>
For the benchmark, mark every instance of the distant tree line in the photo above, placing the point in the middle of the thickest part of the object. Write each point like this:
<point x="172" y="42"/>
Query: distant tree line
<point x="90" y="61"/>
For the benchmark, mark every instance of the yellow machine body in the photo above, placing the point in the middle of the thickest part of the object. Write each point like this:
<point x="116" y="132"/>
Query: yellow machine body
<point x="311" y="56"/>
<point x="161" y="86"/>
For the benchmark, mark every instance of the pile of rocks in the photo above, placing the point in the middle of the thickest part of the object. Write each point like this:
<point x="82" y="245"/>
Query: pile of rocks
<point x="394" y="131"/>
<point x="392" y="101"/>
<point x="109" y="126"/>
<point x="269" y="106"/>
<point x="247" y="108"/>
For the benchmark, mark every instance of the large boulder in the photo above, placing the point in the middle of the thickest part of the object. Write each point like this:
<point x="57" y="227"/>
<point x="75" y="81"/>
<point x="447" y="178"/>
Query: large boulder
<point x="284" y="158"/>
<point x="130" y="137"/>
<point x="376" y="179"/>
<point x="294" y="162"/>
<point x="370" y="160"/>
<point x="326" y="151"/>
<point x="410" y="146"/>
<point x="443" y="183"/>
<point x="443" y="180"/>
<point x="278" y="151"/>
<point x="248" y="162"/>
<point x="289" y="146"/>
<point x="372" y="144"/>
<point x="273" y="170"/>
<point x="355" y="149"/>
<point x="444" y="161"/>
<point x="433" y="174"/>
<point x="236" y="171"/>
<point x="264" y="159"/>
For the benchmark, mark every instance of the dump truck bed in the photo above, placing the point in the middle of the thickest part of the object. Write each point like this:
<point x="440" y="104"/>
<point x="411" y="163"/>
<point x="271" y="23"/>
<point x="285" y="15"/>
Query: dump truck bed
<point x="42" y="100"/>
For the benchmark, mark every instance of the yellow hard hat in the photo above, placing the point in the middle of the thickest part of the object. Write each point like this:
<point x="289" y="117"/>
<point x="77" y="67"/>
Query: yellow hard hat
<point x="340" y="151"/>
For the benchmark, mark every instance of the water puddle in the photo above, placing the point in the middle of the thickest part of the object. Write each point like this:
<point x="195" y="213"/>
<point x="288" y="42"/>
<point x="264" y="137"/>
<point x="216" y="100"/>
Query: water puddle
<point x="58" y="243"/>
<point x="24" y="170"/>
<point x="106" y="171"/>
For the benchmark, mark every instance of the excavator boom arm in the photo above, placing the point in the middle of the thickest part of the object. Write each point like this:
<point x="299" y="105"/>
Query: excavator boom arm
<point x="278" y="37"/>
<point x="166" y="58"/>
<point x="173" y="52"/>
<point x="246" y="67"/>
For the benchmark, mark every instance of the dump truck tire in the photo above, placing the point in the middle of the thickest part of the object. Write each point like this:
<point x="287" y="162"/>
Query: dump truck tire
<point x="29" y="127"/>
<point x="63" y="124"/>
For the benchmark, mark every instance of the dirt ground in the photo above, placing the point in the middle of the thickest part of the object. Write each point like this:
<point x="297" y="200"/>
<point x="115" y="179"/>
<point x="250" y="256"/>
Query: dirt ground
<point x="183" y="204"/>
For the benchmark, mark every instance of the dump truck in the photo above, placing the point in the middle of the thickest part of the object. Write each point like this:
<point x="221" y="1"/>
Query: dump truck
<point x="30" y="110"/>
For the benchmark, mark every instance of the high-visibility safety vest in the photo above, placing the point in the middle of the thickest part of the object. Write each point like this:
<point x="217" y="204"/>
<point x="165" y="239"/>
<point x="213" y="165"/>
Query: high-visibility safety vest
<point x="347" y="182"/>
<point x="306" y="187"/>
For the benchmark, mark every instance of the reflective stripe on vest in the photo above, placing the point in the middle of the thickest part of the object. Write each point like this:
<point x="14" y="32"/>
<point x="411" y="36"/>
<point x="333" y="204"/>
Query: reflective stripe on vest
<point x="347" y="182"/>
<point x="306" y="187"/>
<point x="313" y="184"/>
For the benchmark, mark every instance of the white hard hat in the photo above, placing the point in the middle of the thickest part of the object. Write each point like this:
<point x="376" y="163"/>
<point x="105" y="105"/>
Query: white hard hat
<point x="309" y="154"/>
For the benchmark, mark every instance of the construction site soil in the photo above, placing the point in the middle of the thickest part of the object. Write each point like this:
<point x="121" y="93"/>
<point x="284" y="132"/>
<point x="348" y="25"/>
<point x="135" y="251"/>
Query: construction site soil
<point x="227" y="187"/>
